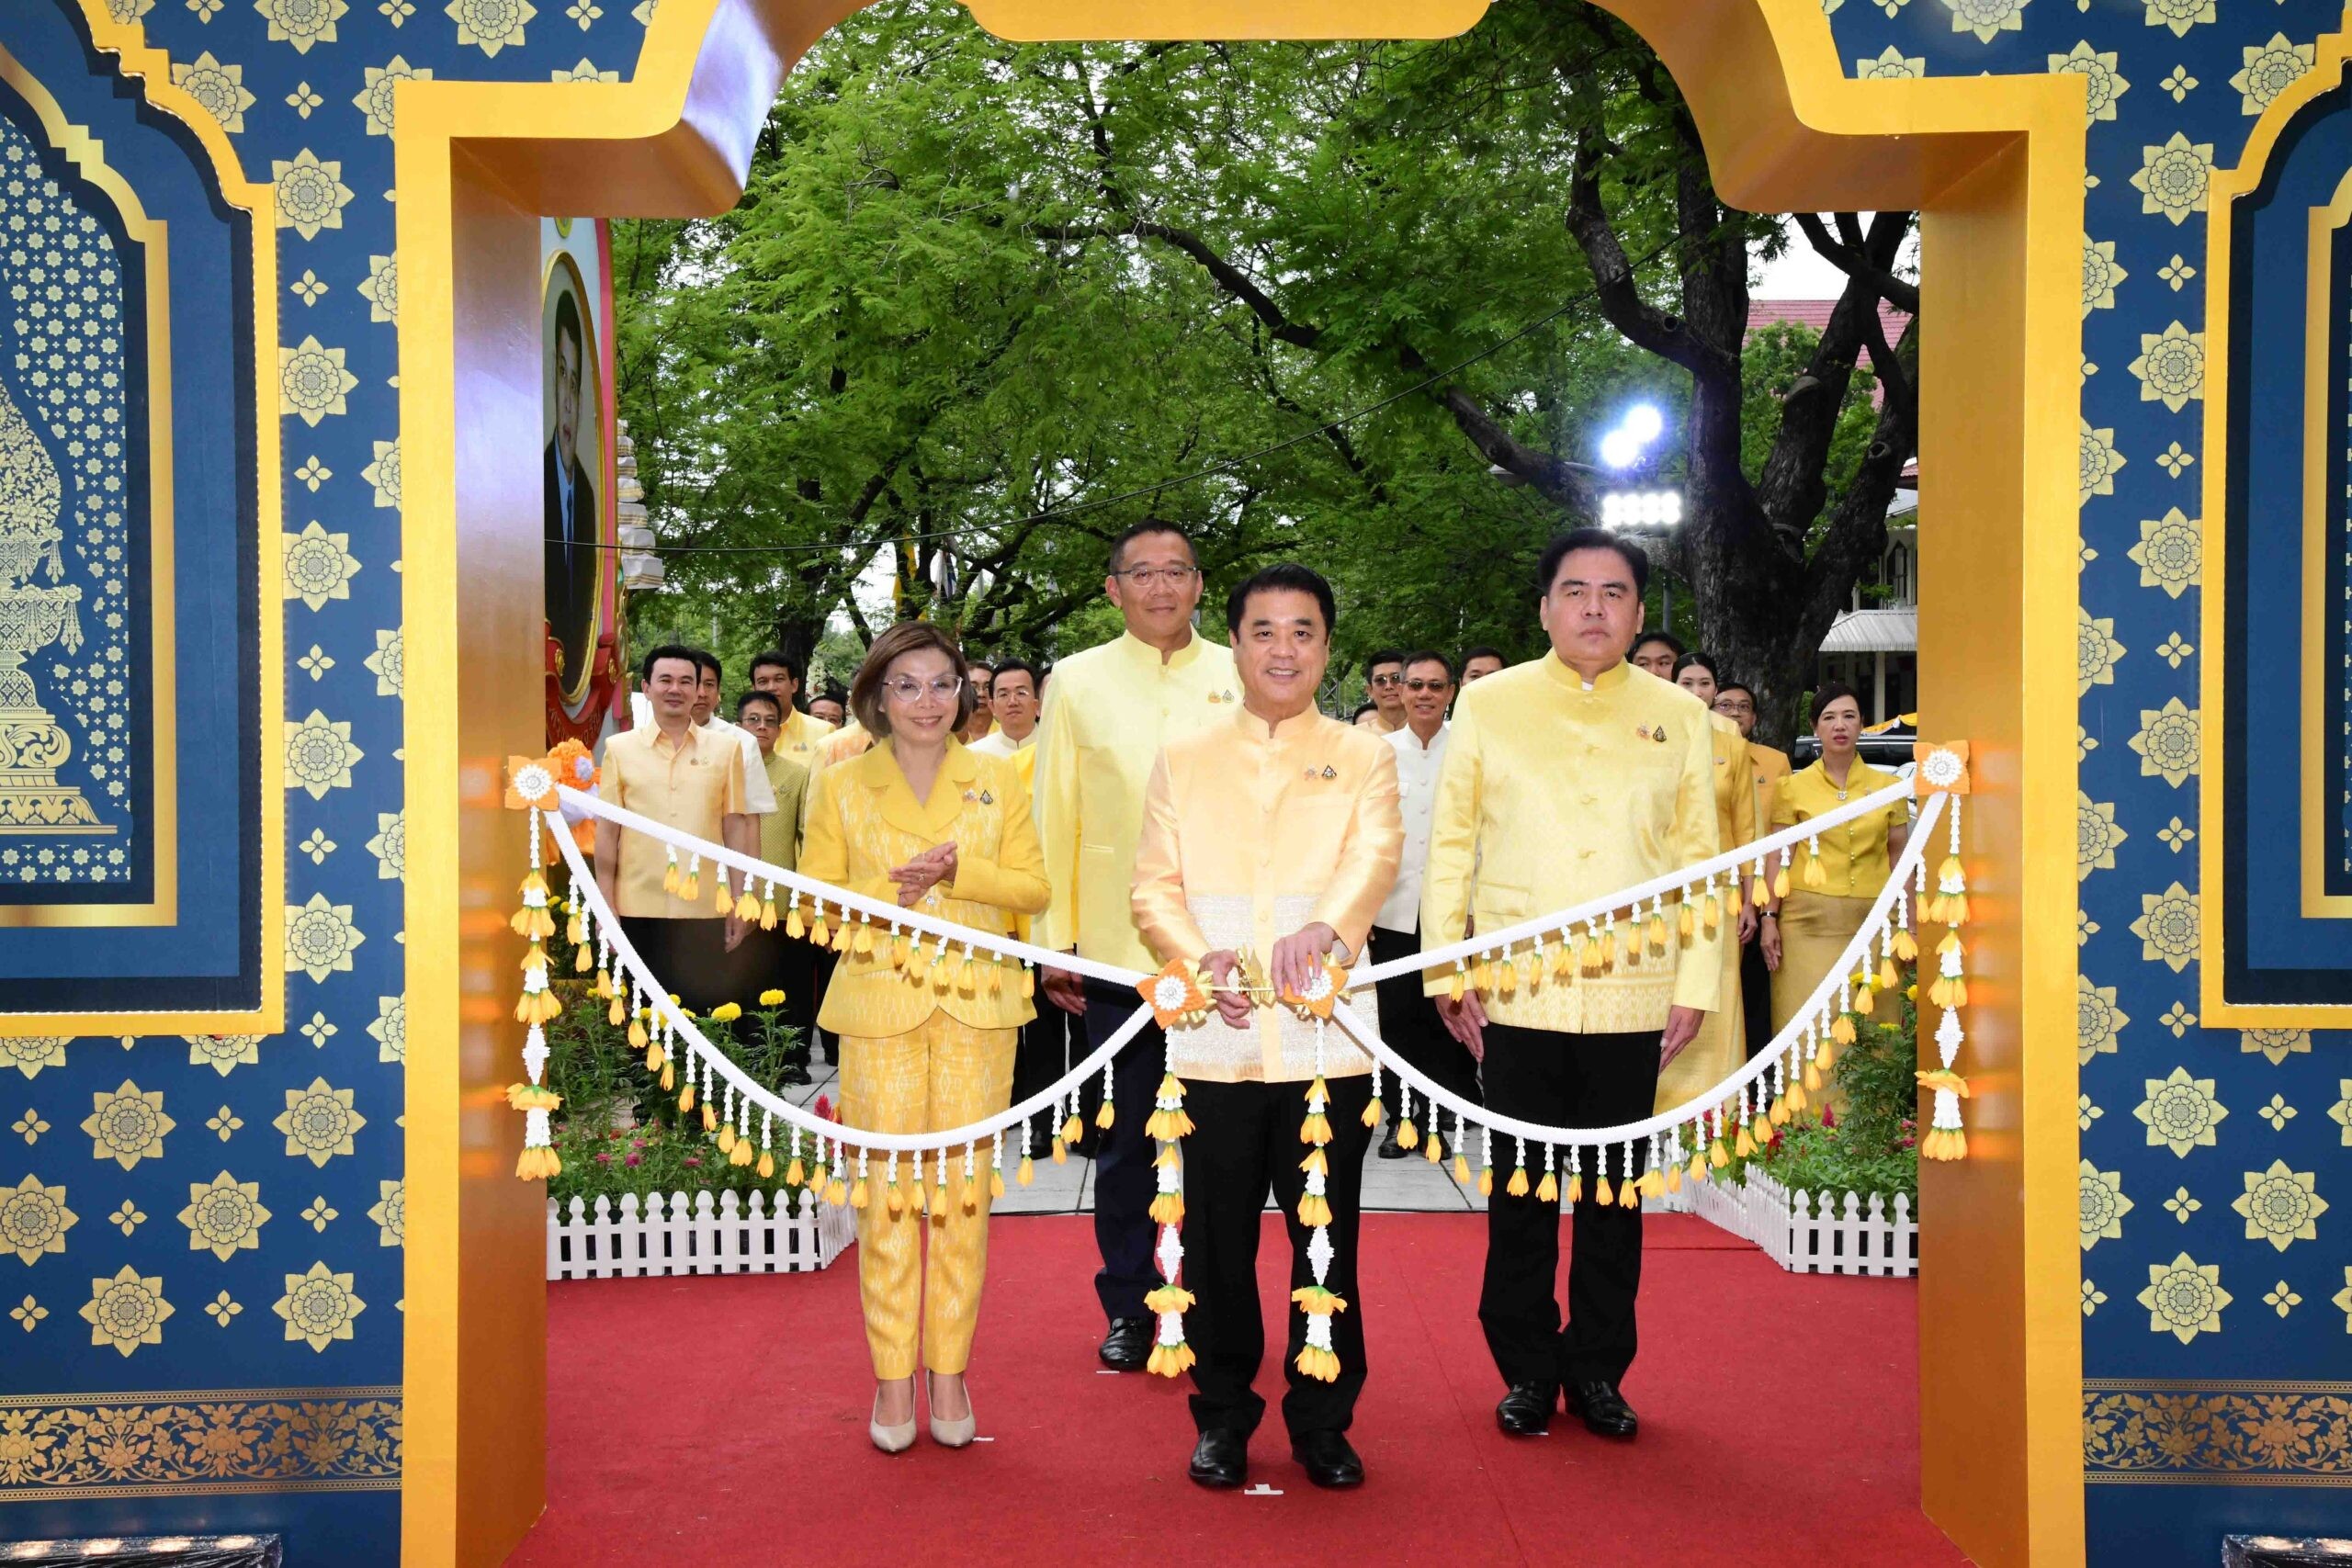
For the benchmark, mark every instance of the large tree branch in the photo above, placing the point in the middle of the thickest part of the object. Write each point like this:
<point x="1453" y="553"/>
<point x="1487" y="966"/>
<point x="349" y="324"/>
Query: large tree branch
<point x="1229" y="278"/>
<point x="1855" y="536"/>
<point x="1847" y="255"/>
<point x="1644" y="324"/>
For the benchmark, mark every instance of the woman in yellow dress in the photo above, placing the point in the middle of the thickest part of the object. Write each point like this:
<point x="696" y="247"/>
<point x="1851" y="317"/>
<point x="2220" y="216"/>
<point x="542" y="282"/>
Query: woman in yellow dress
<point x="1804" y="933"/>
<point x="921" y="819"/>
<point x="1721" y="1043"/>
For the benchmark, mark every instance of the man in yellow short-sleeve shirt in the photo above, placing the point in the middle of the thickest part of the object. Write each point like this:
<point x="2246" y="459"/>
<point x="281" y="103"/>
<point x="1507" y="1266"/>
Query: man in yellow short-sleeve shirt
<point x="685" y="777"/>
<point x="1107" y="713"/>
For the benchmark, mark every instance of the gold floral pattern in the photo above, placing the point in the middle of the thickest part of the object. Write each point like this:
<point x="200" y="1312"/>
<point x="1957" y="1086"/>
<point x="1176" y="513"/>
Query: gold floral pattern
<point x="2103" y="1205"/>
<point x="126" y="1125"/>
<point x="2171" y="367"/>
<point x="319" y="1122"/>
<point x="491" y="25"/>
<point x="2274" y="1045"/>
<point x="384" y="473"/>
<point x="2102" y="272"/>
<point x="2341" y="1111"/>
<point x="2095" y="836"/>
<point x="389" y="846"/>
<point x="2099" y="462"/>
<point x="224" y="1215"/>
<point x="2168" y="927"/>
<point x="301" y="22"/>
<point x="340" y="1440"/>
<point x="318" y="755"/>
<point x="2097" y="1020"/>
<point x="310" y="194"/>
<point x="312" y="382"/>
<point x="381" y="289"/>
<point x="320" y="937"/>
<point x="2270" y="68"/>
<point x="2278" y="1205"/>
<point x="33" y="1220"/>
<point x="2171" y="552"/>
<point x="2176" y="178"/>
<point x="2170" y="742"/>
<point x="2184" y="1298"/>
<point x="126" y="1310"/>
<point x="225" y="1054"/>
<point x="1986" y="18"/>
<point x="390" y="1214"/>
<point x="2282" y="1428"/>
<point x="2180" y="1113"/>
<point x="391" y="1029"/>
<point x="219" y="89"/>
<point x="2178" y="15"/>
<point x="386" y="663"/>
<point x="2096" y="651"/>
<point x="374" y="99"/>
<point x="319" y="566"/>
<point x="29" y="1054"/>
<point x="2106" y="85"/>
<point x="318" y="1306"/>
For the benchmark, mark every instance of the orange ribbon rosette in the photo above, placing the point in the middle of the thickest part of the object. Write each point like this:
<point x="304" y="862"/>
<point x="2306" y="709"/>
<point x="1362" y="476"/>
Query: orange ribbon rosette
<point x="1174" y="993"/>
<point x="1322" y="992"/>
<point x="1942" y="765"/>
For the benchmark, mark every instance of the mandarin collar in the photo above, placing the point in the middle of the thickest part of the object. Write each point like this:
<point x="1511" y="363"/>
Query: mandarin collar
<point x="1608" y="679"/>
<point x="1143" y="652"/>
<point x="1283" y="733"/>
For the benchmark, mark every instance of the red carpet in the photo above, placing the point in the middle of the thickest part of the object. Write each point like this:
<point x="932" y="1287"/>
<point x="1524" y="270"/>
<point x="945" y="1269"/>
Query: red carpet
<point x="723" y="1420"/>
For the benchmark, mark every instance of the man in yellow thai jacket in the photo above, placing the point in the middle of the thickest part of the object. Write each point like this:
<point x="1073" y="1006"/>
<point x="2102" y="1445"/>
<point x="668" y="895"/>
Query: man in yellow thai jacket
<point x="1108" y="710"/>
<point x="1566" y="778"/>
<point x="1274" y="835"/>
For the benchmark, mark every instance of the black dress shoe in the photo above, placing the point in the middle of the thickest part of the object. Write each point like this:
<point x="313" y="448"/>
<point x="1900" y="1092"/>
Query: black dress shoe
<point x="1330" y="1459"/>
<point x="795" y="1074"/>
<point x="1221" y="1461"/>
<point x="1604" y="1410"/>
<point x="1526" y="1410"/>
<point x="1389" y="1147"/>
<point x="1128" y="1344"/>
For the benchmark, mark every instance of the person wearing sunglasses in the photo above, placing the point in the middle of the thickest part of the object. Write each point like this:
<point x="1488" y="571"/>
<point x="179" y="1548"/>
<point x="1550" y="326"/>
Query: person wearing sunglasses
<point x="1384" y="683"/>
<point x="922" y="821"/>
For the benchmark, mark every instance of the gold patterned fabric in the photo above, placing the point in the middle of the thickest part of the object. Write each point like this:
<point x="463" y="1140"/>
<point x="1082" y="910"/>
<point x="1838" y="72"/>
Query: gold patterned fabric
<point x="1107" y="713"/>
<point x="780" y="830"/>
<point x="146" y="1445"/>
<point x="943" y="1073"/>
<point x="863" y="820"/>
<point x="1556" y="792"/>
<point x="2263" y="1432"/>
<point x="1250" y="833"/>
<point x="1853" y="854"/>
<point x="1814" y="929"/>
<point x="1721" y="1040"/>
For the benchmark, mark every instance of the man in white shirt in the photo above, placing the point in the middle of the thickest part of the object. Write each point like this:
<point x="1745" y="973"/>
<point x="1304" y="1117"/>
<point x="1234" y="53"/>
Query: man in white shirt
<point x="1014" y="698"/>
<point x="1408" y="1020"/>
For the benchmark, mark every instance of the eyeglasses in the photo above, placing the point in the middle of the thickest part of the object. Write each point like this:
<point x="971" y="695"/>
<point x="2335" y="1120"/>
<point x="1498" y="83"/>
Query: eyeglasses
<point x="1384" y="680"/>
<point x="1146" y="576"/>
<point x="1428" y="685"/>
<point x="908" y="690"/>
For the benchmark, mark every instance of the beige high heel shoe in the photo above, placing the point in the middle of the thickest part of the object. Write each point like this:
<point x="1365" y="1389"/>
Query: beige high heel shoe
<point x="953" y="1434"/>
<point x="893" y="1440"/>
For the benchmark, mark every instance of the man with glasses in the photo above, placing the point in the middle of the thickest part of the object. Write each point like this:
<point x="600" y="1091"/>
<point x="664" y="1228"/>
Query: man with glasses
<point x="1408" y="1020"/>
<point x="1013" y="696"/>
<point x="1384" y="683"/>
<point x="1109" y="711"/>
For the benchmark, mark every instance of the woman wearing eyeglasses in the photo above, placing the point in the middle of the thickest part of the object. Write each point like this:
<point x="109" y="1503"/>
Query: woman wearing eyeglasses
<point x="924" y="821"/>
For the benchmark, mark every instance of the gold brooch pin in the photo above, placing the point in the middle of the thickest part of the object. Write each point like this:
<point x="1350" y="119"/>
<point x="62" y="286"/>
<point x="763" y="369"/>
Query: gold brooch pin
<point x="1330" y="772"/>
<point x="987" y="799"/>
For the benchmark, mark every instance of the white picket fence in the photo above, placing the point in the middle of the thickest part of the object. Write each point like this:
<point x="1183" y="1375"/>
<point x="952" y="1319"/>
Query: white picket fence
<point x="690" y="1234"/>
<point x="1808" y="1233"/>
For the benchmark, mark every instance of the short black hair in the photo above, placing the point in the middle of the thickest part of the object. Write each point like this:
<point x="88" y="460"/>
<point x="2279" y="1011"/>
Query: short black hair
<point x="1830" y="692"/>
<point x="654" y="656"/>
<point x="704" y="659"/>
<point x="1658" y="635"/>
<point x="1361" y="710"/>
<point x="1482" y="651"/>
<point x="1144" y="529"/>
<point x="756" y="696"/>
<point x="1723" y="686"/>
<point x="1282" y="577"/>
<point x="1383" y="655"/>
<point x="1699" y="659"/>
<point x="1430" y="656"/>
<point x="777" y="658"/>
<point x="1547" y="565"/>
<point x="1010" y="665"/>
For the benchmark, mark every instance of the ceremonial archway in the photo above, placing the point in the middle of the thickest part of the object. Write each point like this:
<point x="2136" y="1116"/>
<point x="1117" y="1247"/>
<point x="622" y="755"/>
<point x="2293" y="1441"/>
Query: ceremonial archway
<point x="1994" y="165"/>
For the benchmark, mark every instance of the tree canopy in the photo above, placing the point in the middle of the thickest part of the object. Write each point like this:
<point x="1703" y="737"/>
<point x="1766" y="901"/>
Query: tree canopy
<point x="1368" y="305"/>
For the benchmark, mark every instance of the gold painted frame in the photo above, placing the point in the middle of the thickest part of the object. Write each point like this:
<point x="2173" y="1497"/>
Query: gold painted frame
<point x="2224" y="188"/>
<point x="1996" y="163"/>
<point x="126" y="42"/>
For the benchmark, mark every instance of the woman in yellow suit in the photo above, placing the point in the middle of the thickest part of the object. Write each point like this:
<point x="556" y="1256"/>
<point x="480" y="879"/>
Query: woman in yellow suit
<point x="1721" y="1043"/>
<point x="1804" y="936"/>
<point x="921" y="819"/>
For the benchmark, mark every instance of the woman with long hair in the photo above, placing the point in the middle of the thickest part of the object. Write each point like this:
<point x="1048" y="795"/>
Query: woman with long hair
<point x="921" y="819"/>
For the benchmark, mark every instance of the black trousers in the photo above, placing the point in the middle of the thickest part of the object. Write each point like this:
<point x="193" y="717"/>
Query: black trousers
<point x="1755" y="995"/>
<point x="1245" y="1144"/>
<point x="796" y="971"/>
<point x="1041" y="1056"/>
<point x="1408" y="1021"/>
<point x="1124" y="1184"/>
<point x="1590" y="1080"/>
<point x="690" y="957"/>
